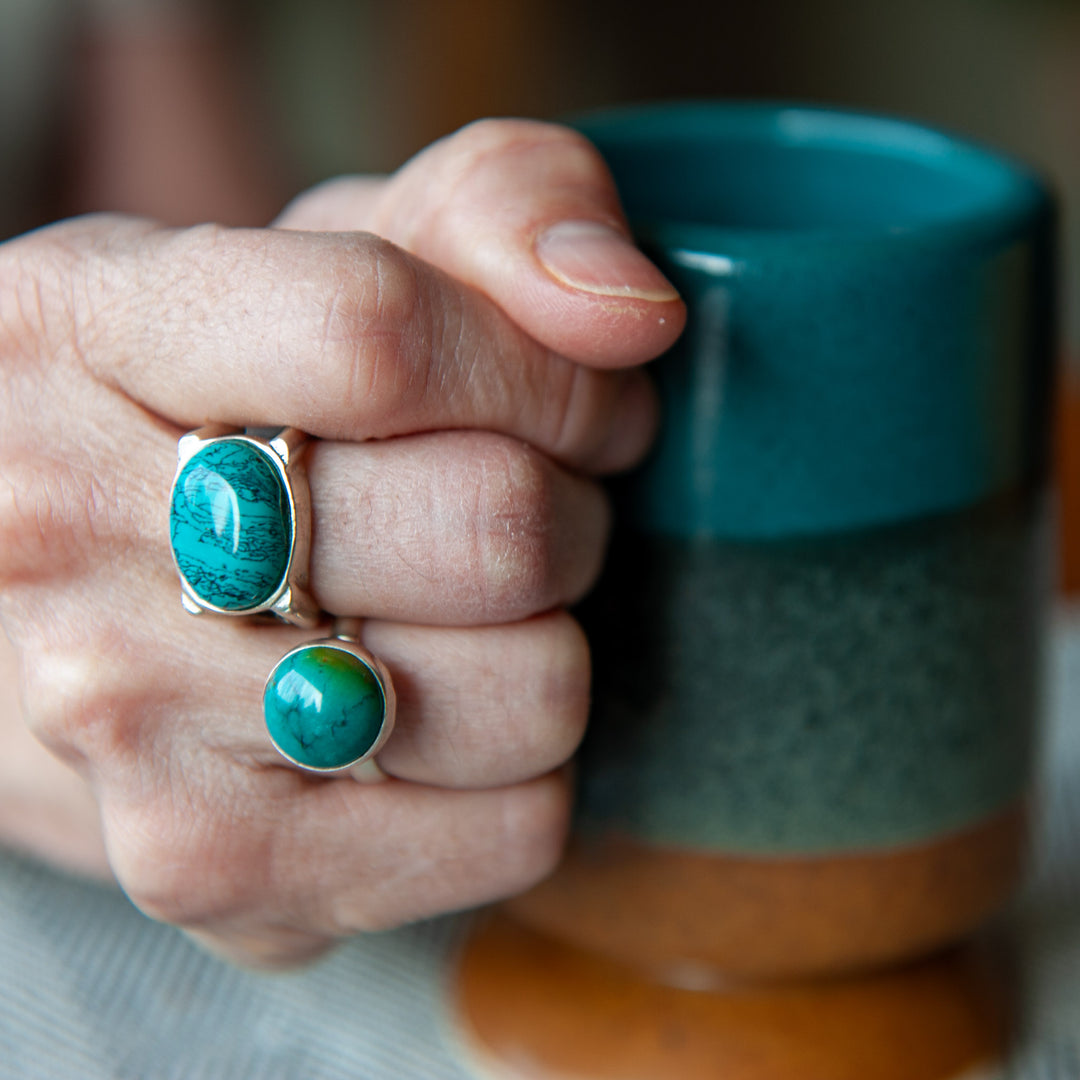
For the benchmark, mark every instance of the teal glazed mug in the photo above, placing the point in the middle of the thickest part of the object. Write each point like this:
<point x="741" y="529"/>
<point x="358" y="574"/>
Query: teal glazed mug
<point x="817" y="642"/>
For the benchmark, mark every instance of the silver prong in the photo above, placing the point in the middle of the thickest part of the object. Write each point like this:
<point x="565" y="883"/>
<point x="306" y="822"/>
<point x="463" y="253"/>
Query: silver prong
<point x="287" y="442"/>
<point x="188" y="447"/>
<point x="347" y="629"/>
<point x="189" y="444"/>
<point x="189" y="605"/>
<point x="296" y="608"/>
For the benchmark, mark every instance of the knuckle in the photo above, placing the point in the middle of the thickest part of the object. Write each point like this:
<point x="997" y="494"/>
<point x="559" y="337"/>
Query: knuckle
<point x="366" y="321"/>
<point x="76" y="703"/>
<point x="540" y="702"/>
<point x="561" y="693"/>
<point x="493" y="133"/>
<point x="151" y="881"/>
<point x="54" y="283"/>
<point x="163" y="889"/>
<point x="534" y="827"/>
<point x="53" y="515"/>
<point x="34" y="305"/>
<point x="54" y="504"/>
<point x="535" y="678"/>
<point x="511" y="530"/>
<point x="473" y="144"/>
<point x="179" y="865"/>
<point x="471" y="167"/>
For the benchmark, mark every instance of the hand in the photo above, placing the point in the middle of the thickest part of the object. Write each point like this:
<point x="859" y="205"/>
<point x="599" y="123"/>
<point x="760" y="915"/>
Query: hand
<point x="455" y="383"/>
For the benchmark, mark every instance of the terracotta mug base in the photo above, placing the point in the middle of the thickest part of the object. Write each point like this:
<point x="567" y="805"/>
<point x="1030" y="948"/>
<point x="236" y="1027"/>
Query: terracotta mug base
<point x="671" y="912"/>
<point x="529" y="1008"/>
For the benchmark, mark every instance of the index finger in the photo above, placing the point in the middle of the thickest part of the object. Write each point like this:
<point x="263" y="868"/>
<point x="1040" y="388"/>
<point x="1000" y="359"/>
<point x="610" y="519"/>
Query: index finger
<point x="526" y="212"/>
<point x="345" y="336"/>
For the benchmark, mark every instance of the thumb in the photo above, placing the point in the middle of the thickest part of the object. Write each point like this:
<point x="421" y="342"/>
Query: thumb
<point x="527" y="213"/>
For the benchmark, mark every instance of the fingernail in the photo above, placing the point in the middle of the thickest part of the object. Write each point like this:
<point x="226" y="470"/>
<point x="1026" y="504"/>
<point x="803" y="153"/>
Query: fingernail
<point x="597" y="258"/>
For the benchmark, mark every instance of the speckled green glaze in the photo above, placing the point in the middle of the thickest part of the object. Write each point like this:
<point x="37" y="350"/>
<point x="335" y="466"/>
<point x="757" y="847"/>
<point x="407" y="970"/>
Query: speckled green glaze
<point x="838" y="694"/>
<point x="324" y="707"/>
<point x="231" y="526"/>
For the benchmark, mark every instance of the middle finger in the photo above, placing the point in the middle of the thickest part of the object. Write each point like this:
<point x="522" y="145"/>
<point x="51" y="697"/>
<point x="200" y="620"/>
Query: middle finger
<point x="451" y="528"/>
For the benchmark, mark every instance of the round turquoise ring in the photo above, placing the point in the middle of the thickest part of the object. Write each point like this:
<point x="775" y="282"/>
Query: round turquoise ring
<point x="329" y="706"/>
<point x="240" y="524"/>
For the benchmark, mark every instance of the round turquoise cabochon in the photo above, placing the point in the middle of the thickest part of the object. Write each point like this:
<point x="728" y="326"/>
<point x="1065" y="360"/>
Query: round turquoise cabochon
<point x="231" y="525"/>
<point x="324" y="707"/>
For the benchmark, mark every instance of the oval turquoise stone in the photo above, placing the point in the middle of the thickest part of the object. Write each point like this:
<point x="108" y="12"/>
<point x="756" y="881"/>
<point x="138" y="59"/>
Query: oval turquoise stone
<point x="231" y="525"/>
<point x="324" y="707"/>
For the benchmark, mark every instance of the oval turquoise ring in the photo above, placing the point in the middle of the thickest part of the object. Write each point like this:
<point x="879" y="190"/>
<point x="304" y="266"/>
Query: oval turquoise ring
<point x="329" y="705"/>
<point x="240" y="524"/>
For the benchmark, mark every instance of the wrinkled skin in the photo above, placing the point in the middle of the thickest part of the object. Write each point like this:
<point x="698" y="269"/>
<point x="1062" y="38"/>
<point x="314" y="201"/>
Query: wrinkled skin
<point x="468" y="376"/>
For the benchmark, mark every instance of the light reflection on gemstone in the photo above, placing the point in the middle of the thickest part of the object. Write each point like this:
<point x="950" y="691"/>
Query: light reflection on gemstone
<point x="224" y="505"/>
<point x="296" y="690"/>
<point x="231" y="526"/>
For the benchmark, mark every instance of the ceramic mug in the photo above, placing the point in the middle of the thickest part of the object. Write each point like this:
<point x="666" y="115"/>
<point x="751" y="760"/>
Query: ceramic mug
<point x="817" y="641"/>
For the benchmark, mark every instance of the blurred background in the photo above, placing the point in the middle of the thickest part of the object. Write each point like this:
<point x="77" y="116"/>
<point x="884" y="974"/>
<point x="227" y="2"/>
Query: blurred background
<point x="188" y="110"/>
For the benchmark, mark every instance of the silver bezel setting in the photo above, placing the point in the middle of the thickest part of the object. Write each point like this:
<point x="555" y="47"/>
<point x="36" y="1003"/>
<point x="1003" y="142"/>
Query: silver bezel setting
<point x="386" y="685"/>
<point x="291" y="602"/>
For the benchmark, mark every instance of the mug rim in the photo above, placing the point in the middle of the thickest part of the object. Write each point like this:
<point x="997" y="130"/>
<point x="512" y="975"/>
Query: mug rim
<point x="1005" y="191"/>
